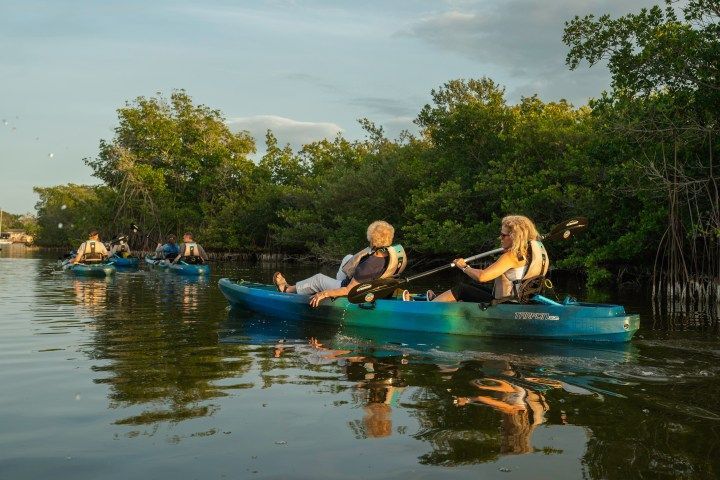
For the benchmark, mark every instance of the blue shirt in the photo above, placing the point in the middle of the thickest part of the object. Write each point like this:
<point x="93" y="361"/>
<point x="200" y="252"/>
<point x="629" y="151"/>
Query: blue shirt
<point x="171" y="250"/>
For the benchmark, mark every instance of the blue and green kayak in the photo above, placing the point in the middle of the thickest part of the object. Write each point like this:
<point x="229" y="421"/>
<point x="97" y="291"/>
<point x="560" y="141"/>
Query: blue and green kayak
<point x="570" y="320"/>
<point x="125" y="262"/>
<point x="157" y="262"/>
<point x="103" y="269"/>
<point x="182" y="268"/>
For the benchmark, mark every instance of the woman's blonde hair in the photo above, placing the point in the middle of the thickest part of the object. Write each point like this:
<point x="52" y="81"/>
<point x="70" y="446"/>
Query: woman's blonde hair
<point x="380" y="234"/>
<point x="522" y="230"/>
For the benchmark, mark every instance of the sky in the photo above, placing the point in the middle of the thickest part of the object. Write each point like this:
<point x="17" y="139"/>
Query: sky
<point x="305" y="69"/>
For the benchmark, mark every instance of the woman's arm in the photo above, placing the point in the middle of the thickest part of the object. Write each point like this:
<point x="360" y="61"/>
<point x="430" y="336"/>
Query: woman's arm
<point x="334" y="293"/>
<point x="501" y="265"/>
<point x="79" y="255"/>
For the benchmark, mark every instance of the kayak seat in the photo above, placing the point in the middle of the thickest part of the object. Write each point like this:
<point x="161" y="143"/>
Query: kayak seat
<point x="526" y="290"/>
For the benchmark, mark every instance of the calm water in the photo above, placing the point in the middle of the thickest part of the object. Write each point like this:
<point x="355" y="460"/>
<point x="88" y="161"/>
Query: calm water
<point x="148" y="375"/>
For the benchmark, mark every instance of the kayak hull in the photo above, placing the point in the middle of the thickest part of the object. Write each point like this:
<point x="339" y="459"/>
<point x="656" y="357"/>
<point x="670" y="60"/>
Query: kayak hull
<point x="157" y="263"/>
<point x="575" y="321"/>
<point x="182" y="268"/>
<point x="91" y="270"/>
<point x="129" y="262"/>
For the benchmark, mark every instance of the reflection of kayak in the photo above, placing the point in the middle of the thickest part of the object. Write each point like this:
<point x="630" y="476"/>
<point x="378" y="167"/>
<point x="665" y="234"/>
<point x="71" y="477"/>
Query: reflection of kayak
<point x="129" y="262"/>
<point x="90" y="269"/>
<point x="571" y="321"/>
<point x="156" y="262"/>
<point x="183" y="268"/>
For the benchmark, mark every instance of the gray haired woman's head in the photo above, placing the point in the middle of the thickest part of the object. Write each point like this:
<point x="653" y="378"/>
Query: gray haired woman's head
<point x="380" y="234"/>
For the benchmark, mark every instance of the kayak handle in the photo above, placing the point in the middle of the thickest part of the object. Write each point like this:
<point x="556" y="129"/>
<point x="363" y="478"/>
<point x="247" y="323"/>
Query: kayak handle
<point x="367" y="305"/>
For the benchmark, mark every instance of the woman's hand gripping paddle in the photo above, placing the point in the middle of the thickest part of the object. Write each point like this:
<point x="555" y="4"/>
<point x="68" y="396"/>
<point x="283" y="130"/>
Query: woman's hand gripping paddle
<point x="383" y="287"/>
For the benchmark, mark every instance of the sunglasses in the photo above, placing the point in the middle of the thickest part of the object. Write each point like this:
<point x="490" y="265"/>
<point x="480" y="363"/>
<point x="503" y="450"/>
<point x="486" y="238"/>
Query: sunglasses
<point x="503" y="235"/>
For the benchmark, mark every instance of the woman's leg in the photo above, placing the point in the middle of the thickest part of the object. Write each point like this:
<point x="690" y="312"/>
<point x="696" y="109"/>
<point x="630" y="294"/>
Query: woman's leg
<point x="316" y="283"/>
<point x="466" y="291"/>
<point x="446" y="296"/>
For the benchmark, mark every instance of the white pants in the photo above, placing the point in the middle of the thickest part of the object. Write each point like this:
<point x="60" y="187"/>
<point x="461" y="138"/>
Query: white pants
<point x="319" y="282"/>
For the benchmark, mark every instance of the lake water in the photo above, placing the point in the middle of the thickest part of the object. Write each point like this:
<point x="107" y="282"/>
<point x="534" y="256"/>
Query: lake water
<point x="149" y="375"/>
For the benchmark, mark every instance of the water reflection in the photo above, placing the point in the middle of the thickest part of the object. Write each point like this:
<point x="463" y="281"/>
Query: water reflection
<point x="522" y="406"/>
<point x="91" y="293"/>
<point x="377" y="384"/>
<point x="158" y="351"/>
<point x="175" y="376"/>
<point x="378" y="390"/>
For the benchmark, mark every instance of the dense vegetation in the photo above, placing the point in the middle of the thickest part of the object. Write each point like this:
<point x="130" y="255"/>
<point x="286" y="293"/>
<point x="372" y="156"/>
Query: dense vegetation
<point x="26" y="223"/>
<point x="639" y="162"/>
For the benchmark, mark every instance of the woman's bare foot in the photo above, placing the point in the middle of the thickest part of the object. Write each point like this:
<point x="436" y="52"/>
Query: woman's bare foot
<point x="280" y="282"/>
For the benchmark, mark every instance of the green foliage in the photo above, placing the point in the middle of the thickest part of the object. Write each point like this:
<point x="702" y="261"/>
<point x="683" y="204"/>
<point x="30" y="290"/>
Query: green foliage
<point x="67" y="213"/>
<point x="663" y="115"/>
<point x="171" y="163"/>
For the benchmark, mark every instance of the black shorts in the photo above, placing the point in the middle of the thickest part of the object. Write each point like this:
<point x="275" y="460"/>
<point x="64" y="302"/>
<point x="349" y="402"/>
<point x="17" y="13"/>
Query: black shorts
<point x="470" y="291"/>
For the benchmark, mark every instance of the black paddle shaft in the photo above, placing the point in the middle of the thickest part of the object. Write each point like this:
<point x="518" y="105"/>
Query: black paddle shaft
<point x="366" y="292"/>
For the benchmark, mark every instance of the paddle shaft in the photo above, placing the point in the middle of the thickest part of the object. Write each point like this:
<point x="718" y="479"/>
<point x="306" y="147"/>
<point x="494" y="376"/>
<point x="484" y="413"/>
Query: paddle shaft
<point x="451" y="265"/>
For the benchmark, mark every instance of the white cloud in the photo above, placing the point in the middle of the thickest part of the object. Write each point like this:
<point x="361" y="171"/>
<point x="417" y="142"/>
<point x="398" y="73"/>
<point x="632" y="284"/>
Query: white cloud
<point x="286" y="130"/>
<point x="394" y="126"/>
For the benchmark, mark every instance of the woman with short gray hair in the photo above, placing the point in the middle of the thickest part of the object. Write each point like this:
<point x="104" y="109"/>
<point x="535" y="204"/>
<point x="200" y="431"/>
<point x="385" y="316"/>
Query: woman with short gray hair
<point x="366" y="265"/>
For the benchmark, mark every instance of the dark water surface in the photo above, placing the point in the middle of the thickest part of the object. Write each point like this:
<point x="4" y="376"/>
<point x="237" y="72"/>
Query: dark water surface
<point x="149" y="375"/>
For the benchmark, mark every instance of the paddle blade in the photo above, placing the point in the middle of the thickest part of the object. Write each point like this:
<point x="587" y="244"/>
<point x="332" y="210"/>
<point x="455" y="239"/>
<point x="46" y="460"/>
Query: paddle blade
<point x="369" y="291"/>
<point x="565" y="230"/>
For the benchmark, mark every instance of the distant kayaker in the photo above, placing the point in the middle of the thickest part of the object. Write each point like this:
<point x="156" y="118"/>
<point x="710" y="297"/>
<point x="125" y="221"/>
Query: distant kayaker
<point x="368" y="264"/>
<point x="190" y="252"/>
<point x="169" y="250"/>
<point x="121" y="248"/>
<point x="518" y="236"/>
<point x="92" y="250"/>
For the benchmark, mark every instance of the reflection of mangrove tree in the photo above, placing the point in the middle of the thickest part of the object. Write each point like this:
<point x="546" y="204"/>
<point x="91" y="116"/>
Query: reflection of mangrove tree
<point x="162" y="354"/>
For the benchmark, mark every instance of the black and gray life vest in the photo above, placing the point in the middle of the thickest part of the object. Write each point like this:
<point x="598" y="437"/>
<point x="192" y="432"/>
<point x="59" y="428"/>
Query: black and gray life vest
<point x="395" y="264"/>
<point x="532" y="280"/>
<point x="191" y="253"/>
<point x="90" y="255"/>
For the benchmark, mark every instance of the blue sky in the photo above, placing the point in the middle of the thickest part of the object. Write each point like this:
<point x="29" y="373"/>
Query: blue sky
<point x="306" y="69"/>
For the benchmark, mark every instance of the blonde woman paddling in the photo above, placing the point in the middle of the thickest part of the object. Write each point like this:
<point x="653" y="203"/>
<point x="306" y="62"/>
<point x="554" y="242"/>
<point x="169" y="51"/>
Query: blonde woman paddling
<point x="518" y="237"/>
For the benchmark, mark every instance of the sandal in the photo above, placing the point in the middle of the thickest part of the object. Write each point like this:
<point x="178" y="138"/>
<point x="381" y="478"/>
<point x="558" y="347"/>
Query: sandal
<point x="280" y="282"/>
<point x="406" y="296"/>
<point x="430" y="295"/>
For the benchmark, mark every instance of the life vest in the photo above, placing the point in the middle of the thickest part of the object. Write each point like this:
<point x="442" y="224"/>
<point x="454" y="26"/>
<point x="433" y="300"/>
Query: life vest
<point x="531" y="282"/>
<point x="122" y="250"/>
<point x="191" y="253"/>
<point x="396" y="261"/>
<point x="90" y="255"/>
